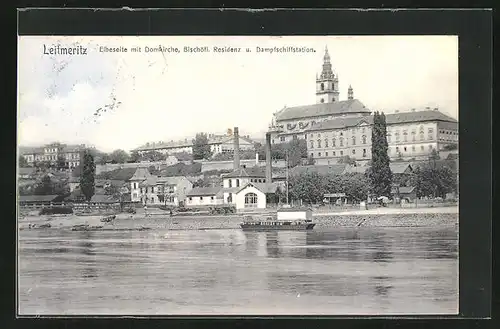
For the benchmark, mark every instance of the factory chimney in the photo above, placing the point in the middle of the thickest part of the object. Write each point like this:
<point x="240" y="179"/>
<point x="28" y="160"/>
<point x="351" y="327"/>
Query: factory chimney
<point x="269" y="171"/>
<point x="236" y="155"/>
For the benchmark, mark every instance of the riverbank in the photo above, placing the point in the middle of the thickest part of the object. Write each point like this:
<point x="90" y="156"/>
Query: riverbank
<point x="379" y="217"/>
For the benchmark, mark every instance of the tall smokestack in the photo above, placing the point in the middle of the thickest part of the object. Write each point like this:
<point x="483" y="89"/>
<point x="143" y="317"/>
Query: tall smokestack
<point x="268" y="159"/>
<point x="256" y="158"/>
<point x="236" y="155"/>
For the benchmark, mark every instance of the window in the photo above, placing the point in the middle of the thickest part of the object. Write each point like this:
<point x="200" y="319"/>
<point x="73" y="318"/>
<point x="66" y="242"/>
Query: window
<point x="230" y="182"/>
<point x="319" y="154"/>
<point x="341" y="141"/>
<point x="319" y="135"/>
<point x="211" y="198"/>
<point x="282" y="138"/>
<point x="322" y="100"/>
<point x="405" y="136"/>
<point x="413" y="148"/>
<point x="326" y="142"/>
<point x="341" y="134"/>
<point x="397" y="149"/>
<point x="353" y="140"/>
<point x="363" y="139"/>
<point x="250" y="200"/>
<point x="319" y="143"/>
<point x="201" y="198"/>
<point x="430" y="147"/>
<point x="430" y="134"/>
<point x="397" y="136"/>
<point x="404" y="148"/>
<point x="421" y="147"/>
<point x="364" y="152"/>
<point x="363" y="130"/>
<point x="312" y="144"/>
<point x="353" y="151"/>
<point x="152" y="200"/>
<point x="341" y="152"/>
<point x="333" y="142"/>
<point x="322" y="87"/>
<point x="388" y="137"/>
<point x="333" y="153"/>
<point x="312" y="155"/>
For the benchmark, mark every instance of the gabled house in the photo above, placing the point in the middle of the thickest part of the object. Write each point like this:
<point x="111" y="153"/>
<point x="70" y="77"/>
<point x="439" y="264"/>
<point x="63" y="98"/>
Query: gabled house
<point x="158" y="190"/>
<point x="140" y="175"/>
<point x="247" y="188"/>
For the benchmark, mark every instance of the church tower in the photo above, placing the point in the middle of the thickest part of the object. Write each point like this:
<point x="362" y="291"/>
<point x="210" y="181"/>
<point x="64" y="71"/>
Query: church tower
<point x="327" y="84"/>
<point x="350" y="93"/>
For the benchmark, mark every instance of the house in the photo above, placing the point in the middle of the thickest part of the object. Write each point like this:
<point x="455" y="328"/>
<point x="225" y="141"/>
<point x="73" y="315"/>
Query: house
<point x="401" y="168"/>
<point x="140" y="175"/>
<point x="247" y="188"/>
<point x="254" y="195"/>
<point x="408" y="193"/>
<point x="204" y="196"/>
<point x="158" y="190"/>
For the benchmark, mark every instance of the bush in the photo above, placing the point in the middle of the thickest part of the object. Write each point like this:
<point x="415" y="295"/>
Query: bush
<point x="56" y="210"/>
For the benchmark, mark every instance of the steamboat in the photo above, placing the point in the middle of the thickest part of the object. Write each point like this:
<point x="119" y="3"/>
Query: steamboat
<point x="297" y="219"/>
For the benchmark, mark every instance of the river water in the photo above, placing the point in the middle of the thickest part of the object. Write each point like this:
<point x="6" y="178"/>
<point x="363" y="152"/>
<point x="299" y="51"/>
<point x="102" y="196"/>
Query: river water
<point x="338" y="271"/>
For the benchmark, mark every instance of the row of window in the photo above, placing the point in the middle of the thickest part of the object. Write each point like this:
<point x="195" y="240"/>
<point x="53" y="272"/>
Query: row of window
<point x="353" y="131"/>
<point x="341" y="153"/>
<point x="430" y="137"/>
<point x="158" y="190"/>
<point x="445" y="132"/>
<point x="334" y="142"/>
<point x="201" y="198"/>
<point x="413" y="148"/>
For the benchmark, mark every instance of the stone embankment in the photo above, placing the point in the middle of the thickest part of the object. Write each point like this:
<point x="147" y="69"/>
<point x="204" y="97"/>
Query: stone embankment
<point x="379" y="217"/>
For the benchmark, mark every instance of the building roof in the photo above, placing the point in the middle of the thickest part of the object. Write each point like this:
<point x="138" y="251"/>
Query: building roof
<point x="335" y="169"/>
<point x="417" y="116"/>
<point x="403" y="189"/>
<point x="23" y="150"/>
<point x="322" y="109"/>
<point x="140" y="174"/>
<point x="263" y="187"/>
<point x="212" y="139"/>
<point x="155" y="180"/>
<point x="37" y="198"/>
<point x="400" y="167"/>
<point x="391" y="119"/>
<point x="204" y="191"/>
<point x="255" y="171"/>
<point x="342" y="123"/>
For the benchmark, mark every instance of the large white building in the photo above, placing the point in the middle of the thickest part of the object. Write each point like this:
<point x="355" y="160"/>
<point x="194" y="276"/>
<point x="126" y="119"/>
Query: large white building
<point x="335" y="129"/>
<point x="50" y="153"/>
<point x="218" y="144"/>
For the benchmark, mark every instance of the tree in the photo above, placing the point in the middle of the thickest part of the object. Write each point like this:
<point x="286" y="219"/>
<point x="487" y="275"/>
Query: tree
<point x="297" y="150"/>
<point x="347" y="160"/>
<point x="201" y="149"/>
<point x="308" y="187"/>
<point x="22" y="162"/>
<point x="61" y="162"/>
<point x="152" y="156"/>
<point x="434" y="155"/>
<point x="203" y="182"/>
<point x="380" y="172"/>
<point x="87" y="179"/>
<point x="450" y="147"/>
<point x="44" y="187"/>
<point x="119" y="156"/>
<point x="431" y="180"/>
<point x="135" y="156"/>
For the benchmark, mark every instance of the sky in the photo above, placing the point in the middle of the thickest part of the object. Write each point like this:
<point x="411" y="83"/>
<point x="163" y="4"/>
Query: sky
<point x="154" y="96"/>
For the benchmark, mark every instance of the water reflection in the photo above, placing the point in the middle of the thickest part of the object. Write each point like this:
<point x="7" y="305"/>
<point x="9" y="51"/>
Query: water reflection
<point x="333" y="271"/>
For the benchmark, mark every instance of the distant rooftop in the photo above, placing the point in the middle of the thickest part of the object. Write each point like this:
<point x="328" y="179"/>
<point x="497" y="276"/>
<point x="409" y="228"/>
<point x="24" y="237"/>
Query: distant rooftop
<point x="323" y="109"/>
